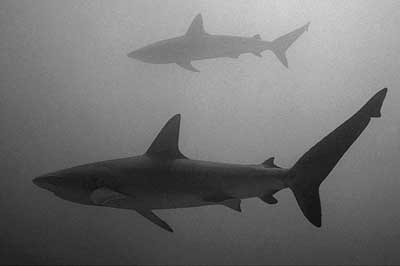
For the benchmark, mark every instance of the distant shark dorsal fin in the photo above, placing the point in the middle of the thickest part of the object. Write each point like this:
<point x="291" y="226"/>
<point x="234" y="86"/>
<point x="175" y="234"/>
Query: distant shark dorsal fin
<point x="165" y="144"/>
<point x="269" y="163"/>
<point x="196" y="28"/>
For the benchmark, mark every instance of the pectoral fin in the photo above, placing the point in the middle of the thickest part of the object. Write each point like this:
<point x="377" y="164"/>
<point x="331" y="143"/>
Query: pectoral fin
<point x="107" y="197"/>
<point x="188" y="66"/>
<point x="155" y="219"/>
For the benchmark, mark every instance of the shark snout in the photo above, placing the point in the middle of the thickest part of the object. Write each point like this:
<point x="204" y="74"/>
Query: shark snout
<point x="46" y="182"/>
<point x="135" y="54"/>
<point x="142" y="54"/>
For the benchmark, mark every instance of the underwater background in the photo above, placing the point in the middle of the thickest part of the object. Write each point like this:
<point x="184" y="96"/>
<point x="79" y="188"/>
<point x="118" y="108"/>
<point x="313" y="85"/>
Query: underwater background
<point x="70" y="95"/>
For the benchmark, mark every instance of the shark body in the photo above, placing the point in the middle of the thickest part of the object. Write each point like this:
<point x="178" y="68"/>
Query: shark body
<point x="197" y="44"/>
<point x="163" y="178"/>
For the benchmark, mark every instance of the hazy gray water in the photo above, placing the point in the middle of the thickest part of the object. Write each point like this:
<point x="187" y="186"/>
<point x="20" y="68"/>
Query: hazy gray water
<point x="70" y="95"/>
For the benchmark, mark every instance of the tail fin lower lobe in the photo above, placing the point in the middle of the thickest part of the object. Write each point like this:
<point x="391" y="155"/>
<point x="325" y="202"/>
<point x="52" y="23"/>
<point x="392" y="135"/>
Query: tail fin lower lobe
<point x="280" y="45"/>
<point x="315" y="165"/>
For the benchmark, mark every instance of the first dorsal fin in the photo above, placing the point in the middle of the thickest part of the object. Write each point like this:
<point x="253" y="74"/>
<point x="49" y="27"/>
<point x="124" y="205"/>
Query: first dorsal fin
<point x="166" y="143"/>
<point x="196" y="28"/>
<point x="269" y="163"/>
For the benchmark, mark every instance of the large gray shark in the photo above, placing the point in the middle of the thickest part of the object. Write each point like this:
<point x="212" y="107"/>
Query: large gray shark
<point x="196" y="44"/>
<point x="163" y="178"/>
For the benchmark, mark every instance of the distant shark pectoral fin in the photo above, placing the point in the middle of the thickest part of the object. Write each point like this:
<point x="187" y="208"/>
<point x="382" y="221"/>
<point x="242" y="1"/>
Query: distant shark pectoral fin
<point x="155" y="219"/>
<point x="188" y="66"/>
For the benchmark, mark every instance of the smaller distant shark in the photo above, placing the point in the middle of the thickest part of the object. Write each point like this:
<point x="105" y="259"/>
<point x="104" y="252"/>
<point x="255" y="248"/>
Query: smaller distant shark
<point x="164" y="178"/>
<point x="196" y="44"/>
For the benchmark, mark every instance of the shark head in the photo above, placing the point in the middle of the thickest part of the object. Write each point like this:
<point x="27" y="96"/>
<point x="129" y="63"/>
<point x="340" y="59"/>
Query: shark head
<point x="156" y="53"/>
<point x="141" y="54"/>
<point x="175" y="50"/>
<point x="74" y="184"/>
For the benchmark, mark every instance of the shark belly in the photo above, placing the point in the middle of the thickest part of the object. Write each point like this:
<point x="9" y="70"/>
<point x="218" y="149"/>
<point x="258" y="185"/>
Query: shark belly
<point x="250" y="187"/>
<point x="165" y="191"/>
<point x="183" y="183"/>
<point x="223" y="46"/>
<point x="193" y="183"/>
<point x="163" y="199"/>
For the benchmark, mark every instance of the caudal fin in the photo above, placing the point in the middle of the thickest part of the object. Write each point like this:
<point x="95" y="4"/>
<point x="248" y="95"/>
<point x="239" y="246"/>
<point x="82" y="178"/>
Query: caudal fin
<point x="280" y="45"/>
<point x="314" y="166"/>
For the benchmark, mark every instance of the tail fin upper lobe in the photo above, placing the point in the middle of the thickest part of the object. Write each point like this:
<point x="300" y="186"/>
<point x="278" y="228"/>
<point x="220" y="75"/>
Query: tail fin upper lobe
<point x="314" y="166"/>
<point x="280" y="45"/>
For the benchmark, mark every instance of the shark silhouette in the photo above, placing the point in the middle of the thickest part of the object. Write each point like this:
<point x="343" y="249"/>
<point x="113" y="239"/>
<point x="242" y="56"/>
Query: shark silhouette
<point x="196" y="44"/>
<point x="163" y="178"/>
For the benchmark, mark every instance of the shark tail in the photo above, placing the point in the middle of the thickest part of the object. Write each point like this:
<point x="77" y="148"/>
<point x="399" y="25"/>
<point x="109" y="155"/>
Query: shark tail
<point x="314" y="166"/>
<point x="280" y="45"/>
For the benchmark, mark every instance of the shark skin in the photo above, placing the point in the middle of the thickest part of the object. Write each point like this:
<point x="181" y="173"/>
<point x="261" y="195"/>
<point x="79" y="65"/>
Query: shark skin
<point x="163" y="178"/>
<point x="197" y="44"/>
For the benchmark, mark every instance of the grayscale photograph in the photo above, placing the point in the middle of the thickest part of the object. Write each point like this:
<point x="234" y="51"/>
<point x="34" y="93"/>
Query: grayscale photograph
<point x="199" y="132"/>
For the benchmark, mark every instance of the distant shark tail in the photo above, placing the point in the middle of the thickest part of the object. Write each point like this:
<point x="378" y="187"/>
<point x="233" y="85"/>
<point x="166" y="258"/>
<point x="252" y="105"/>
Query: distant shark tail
<point x="314" y="166"/>
<point x="280" y="45"/>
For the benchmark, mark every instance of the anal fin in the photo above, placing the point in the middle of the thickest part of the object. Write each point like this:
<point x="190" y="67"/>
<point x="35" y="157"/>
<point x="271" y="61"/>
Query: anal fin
<point x="269" y="198"/>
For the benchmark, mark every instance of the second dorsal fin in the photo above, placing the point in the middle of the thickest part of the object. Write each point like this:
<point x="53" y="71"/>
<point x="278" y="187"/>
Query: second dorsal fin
<point x="269" y="163"/>
<point x="165" y="144"/>
<point x="196" y="28"/>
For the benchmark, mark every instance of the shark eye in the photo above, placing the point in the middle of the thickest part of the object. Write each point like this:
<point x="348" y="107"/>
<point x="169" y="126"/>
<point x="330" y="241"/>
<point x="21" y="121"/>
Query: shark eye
<point x="95" y="183"/>
<point x="100" y="182"/>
